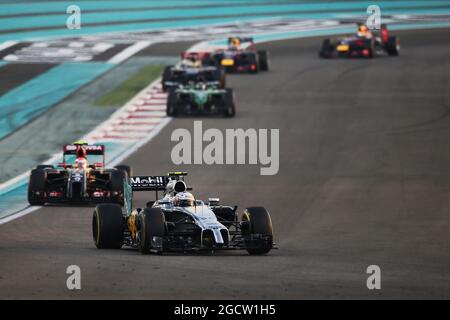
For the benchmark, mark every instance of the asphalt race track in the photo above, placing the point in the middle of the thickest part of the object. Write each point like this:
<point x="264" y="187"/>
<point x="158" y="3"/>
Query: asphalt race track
<point x="364" y="180"/>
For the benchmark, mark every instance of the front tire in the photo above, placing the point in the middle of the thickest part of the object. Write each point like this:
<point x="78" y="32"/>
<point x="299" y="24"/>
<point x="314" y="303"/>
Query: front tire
<point x="151" y="224"/>
<point x="260" y="223"/>
<point x="36" y="184"/>
<point x="125" y="168"/>
<point x="108" y="226"/>
<point x="263" y="58"/>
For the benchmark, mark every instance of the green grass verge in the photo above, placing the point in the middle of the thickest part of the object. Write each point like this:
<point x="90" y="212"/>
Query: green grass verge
<point x="130" y="87"/>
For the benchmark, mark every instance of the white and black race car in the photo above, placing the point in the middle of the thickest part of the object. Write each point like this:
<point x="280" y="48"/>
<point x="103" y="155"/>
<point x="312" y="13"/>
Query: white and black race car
<point x="178" y="222"/>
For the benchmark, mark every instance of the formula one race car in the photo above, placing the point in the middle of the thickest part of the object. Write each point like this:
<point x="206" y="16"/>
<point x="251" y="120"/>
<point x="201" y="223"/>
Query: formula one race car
<point x="200" y="99"/>
<point x="194" y="67"/>
<point x="78" y="182"/>
<point x="178" y="222"/>
<point x="242" y="56"/>
<point x="363" y="44"/>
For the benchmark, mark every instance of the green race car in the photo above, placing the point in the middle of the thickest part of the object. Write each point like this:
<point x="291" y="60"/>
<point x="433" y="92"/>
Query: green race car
<point x="200" y="99"/>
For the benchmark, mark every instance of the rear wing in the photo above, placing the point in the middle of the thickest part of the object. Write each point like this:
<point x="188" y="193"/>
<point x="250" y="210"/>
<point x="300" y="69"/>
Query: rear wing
<point x="93" y="149"/>
<point x="155" y="183"/>
<point x="149" y="183"/>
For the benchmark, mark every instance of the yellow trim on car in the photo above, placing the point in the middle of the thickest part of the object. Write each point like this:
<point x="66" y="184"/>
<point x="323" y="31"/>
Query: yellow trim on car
<point x="343" y="47"/>
<point x="227" y="62"/>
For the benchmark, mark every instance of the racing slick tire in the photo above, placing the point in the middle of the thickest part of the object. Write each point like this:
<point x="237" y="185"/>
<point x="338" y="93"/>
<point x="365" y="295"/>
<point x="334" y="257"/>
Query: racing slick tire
<point x="108" y="226"/>
<point x="326" y="51"/>
<point x="371" y="53"/>
<point x="117" y="186"/>
<point x="260" y="223"/>
<point x="392" y="47"/>
<point x="253" y="60"/>
<point x="125" y="168"/>
<point x="229" y="104"/>
<point x="216" y="60"/>
<point x="171" y="107"/>
<point x="370" y="46"/>
<point x="263" y="58"/>
<point x="167" y="73"/>
<point x="151" y="223"/>
<point x="37" y="183"/>
<point x="220" y="77"/>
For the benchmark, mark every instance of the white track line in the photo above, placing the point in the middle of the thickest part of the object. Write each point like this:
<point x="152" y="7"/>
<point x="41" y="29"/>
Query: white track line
<point x="7" y="44"/>
<point x="128" y="115"/>
<point x="149" y="128"/>
<point x="129" y="51"/>
<point x="19" y="214"/>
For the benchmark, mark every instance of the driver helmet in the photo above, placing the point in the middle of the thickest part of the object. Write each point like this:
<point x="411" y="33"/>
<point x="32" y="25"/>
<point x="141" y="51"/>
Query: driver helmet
<point x="235" y="42"/>
<point x="81" y="160"/>
<point x="187" y="63"/>
<point x="363" y="30"/>
<point x="200" y="85"/>
<point x="191" y="63"/>
<point x="184" y="199"/>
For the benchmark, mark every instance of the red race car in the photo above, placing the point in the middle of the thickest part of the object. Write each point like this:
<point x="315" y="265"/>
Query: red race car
<point x="79" y="181"/>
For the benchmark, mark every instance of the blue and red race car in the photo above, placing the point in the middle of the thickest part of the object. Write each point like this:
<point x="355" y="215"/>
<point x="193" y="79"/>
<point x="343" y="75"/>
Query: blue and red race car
<point x="241" y="56"/>
<point x="365" y="43"/>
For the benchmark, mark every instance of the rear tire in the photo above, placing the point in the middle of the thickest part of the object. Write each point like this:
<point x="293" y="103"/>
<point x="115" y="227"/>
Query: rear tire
<point x="229" y="104"/>
<point x="260" y="223"/>
<point x="125" y="168"/>
<point x="37" y="182"/>
<point x="253" y="59"/>
<point x="263" y="58"/>
<point x="392" y="46"/>
<point x="152" y="224"/>
<point x="221" y="78"/>
<point x="108" y="226"/>
<point x="167" y="74"/>
<point x="118" y="178"/>
<point x="371" y="48"/>
<point x="326" y="51"/>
